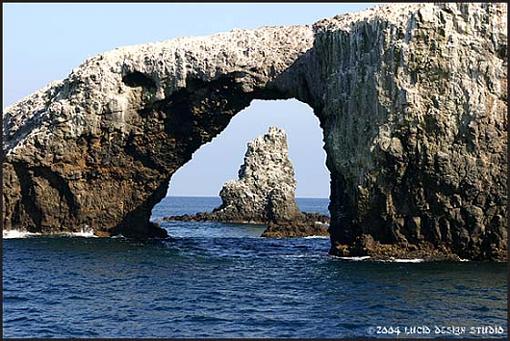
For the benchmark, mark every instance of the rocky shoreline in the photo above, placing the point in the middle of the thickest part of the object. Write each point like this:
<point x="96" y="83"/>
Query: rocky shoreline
<point x="366" y="246"/>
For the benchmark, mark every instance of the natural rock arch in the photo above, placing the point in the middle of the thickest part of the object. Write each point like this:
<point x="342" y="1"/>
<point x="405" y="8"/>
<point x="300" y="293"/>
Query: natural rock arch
<point x="415" y="145"/>
<point x="123" y="122"/>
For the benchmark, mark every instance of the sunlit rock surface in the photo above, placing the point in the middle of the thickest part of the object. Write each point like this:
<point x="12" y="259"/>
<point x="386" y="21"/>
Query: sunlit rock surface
<point x="411" y="98"/>
<point x="266" y="188"/>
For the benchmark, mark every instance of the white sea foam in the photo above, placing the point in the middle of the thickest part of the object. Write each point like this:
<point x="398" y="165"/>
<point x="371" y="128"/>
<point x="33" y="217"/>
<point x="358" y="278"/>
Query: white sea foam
<point x="398" y="260"/>
<point x="303" y="256"/>
<point x="82" y="233"/>
<point x="317" y="237"/>
<point x="16" y="234"/>
<point x="355" y="258"/>
<point x="393" y="260"/>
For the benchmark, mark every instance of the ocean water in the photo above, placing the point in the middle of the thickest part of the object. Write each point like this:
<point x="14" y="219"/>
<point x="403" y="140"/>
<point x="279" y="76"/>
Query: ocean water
<point x="223" y="280"/>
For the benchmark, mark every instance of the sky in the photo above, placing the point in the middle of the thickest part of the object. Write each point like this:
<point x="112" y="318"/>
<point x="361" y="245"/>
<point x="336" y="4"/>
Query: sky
<point x="44" y="42"/>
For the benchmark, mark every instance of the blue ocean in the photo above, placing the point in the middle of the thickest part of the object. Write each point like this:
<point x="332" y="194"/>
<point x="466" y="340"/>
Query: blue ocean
<point x="224" y="280"/>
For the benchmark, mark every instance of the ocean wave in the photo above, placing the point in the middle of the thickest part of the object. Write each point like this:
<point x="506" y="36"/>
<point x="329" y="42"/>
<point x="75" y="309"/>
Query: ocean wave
<point x="82" y="233"/>
<point x="355" y="258"/>
<point x="399" y="260"/>
<point x="316" y="237"/>
<point x="17" y="234"/>
<point x="393" y="260"/>
<point x="303" y="256"/>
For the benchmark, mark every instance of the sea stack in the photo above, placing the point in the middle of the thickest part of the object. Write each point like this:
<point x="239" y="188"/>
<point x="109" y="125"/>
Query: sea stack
<point x="265" y="193"/>
<point x="265" y="190"/>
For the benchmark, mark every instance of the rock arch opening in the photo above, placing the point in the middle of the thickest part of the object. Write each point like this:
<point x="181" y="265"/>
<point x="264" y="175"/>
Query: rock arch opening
<point x="219" y="160"/>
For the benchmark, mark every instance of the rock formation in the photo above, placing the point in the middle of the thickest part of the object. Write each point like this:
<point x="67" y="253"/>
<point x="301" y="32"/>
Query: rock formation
<point x="412" y="100"/>
<point x="266" y="187"/>
<point x="304" y="225"/>
<point x="265" y="193"/>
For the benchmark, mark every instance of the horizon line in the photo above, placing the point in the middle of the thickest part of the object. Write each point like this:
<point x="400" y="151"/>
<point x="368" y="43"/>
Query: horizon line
<point x="217" y="196"/>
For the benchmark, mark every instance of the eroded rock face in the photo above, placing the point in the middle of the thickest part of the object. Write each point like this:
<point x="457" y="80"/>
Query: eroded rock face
<point x="412" y="100"/>
<point x="415" y="130"/>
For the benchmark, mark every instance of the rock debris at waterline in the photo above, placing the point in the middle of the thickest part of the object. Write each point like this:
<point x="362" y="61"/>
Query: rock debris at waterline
<point x="412" y="100"/>
<point x="265" y="193"/>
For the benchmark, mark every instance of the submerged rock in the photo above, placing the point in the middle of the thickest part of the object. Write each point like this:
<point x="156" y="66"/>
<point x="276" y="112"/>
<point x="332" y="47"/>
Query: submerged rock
<point x="412" y="99"/>
<point x="305" y="225"/>
<point x="265" y="193"/>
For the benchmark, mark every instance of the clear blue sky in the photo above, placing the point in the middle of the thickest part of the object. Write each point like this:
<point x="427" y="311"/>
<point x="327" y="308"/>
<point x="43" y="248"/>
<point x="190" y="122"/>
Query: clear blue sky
<point x="44" y="42"/>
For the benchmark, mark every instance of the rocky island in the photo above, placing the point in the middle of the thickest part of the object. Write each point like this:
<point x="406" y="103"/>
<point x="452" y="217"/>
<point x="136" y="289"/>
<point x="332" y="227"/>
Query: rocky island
<point x="265" y="193"/>
<point x="412" y="100"/>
